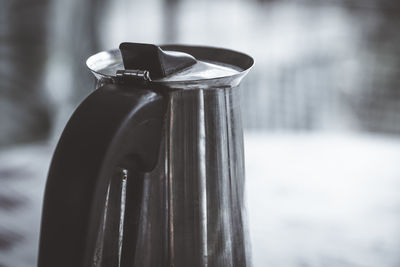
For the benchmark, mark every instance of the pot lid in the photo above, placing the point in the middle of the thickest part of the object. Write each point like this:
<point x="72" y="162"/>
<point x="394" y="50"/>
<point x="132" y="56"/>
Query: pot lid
<point x="174" y="66"/>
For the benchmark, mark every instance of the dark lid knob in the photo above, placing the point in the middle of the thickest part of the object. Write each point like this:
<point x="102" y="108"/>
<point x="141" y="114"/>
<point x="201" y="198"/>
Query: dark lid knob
<point x="153" y="59"/>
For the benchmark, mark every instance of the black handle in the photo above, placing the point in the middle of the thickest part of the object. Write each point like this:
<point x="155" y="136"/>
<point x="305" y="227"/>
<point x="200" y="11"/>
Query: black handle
<point x="117" y="129"/>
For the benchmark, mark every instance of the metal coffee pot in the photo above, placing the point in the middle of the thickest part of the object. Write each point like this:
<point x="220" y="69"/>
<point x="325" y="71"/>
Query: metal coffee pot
<point x="149" y="170"/>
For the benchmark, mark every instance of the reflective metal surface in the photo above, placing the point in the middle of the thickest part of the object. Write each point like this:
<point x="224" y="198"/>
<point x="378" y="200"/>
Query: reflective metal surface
<point x="192" y="209"/>
<point x="205" y="180"/>
<point x="216" y="67"/>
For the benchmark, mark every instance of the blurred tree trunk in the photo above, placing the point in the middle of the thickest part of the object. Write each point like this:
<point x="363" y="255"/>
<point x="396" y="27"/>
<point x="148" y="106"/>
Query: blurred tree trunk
<point x="170" y="25"/>
<point x="43" y="48"/>
<point x="381" y="105"/>
<point x="24" y="112"/>
<point x="74" y="36"/>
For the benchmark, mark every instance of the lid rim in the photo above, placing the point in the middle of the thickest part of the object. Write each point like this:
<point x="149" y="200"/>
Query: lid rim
<point x="219" y="55"/>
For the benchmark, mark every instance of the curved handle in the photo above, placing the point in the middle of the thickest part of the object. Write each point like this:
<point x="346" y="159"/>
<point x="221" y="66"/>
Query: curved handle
<point x="117" y="129"/>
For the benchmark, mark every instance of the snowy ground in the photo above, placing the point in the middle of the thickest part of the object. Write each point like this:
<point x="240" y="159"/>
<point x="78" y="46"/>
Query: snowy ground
<point x="313" y="199"/>
<point x="324" y="200"/>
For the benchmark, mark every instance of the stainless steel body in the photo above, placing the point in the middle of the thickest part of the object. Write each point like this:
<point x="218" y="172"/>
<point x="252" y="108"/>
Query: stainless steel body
<point x="193" y="206"/>
<point x="205" y="179"/>
<point x="192" y="211"/>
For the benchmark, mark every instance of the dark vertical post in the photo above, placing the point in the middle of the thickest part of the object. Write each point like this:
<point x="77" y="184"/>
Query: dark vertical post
<point x="23" y="46"/>
<point x="170" y="26"/>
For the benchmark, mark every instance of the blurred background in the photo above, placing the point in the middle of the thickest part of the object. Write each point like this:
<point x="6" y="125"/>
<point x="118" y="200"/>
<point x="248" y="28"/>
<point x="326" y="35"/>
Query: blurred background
<point x="321" y="111"/>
